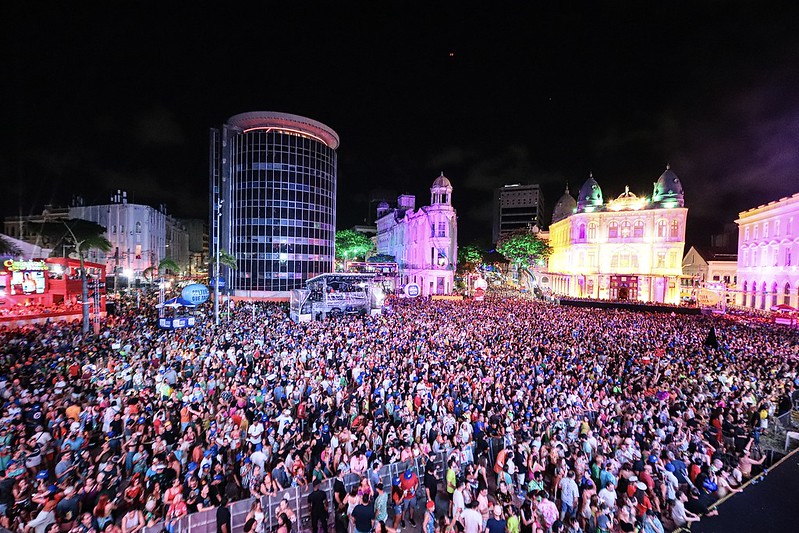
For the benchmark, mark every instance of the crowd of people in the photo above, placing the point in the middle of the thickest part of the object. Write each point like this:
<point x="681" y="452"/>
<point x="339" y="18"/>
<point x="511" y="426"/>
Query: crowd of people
<point x="31" y="309"/>
<point x="550" y="418"/>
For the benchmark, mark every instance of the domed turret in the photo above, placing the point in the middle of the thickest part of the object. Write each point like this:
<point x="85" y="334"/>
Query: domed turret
<point x="668" y="190"/>
<point x="441" y="190"/>
<point x="565" y="207"/>
<point x="590" y="197"/>
<point x="382" y="209"/>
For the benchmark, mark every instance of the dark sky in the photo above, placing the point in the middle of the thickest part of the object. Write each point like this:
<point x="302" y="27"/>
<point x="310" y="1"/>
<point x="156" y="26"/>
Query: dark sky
<point x="491" y="93"/>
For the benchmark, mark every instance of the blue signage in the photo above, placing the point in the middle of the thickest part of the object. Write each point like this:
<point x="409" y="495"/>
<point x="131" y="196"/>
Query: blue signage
<point x="221" y="282"/>
<point x="412" y="290"/>
<point x="196" y="293"/>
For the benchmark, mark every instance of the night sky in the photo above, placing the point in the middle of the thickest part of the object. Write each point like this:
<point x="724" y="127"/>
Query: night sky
<point x="97" y="100"/>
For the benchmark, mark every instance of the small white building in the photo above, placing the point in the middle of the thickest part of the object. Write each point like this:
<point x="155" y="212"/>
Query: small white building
<point x="424" y="241"/>
<point x="768" y="241"/>
<point x="709" y="265"/>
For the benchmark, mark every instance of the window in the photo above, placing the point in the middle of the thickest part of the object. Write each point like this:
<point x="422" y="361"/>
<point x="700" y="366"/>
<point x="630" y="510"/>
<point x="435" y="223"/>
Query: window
<point x="786" y="294"/>
<point x="638" y="230"/>
<point x="787" y="257"/>
<point x="591" y="259"/>
<point x="745" y="258"/>
<point x="626" y="229"/>
<point x="592" y="231"/>
<point x="613" y="230"/>
<point x="138" y="227"/>
<point x="757" y="232"/>
<point x="765" y="230"/>
<point x="442" y="229"/>
<point x="776" y="228"/>
<point x="114" y="229"/>
<point x="674" y="230"/>
<point x="774" y="256"/>
<point x="614" y="261"/>
<point x="743" y="293"/>
<point x="746" y="233"/>
<point x="661" y="228"/>
<point x="581" y="233"/>
<point x="661" y="260"/>
<point x="672" y="259"/>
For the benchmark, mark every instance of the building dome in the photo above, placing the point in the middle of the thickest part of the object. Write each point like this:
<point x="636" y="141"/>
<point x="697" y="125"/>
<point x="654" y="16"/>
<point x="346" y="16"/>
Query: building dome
<point x="382" y="205"/>
<point x="564" y="207"/>
<point x="441" y="182"/>
<point x="668" y="190"/>
<point x="590" y="195"/>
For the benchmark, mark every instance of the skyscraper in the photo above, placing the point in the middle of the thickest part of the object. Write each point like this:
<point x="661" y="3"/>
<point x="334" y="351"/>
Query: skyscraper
<point x="273" y="194"/>
<point x="516" y="206"/>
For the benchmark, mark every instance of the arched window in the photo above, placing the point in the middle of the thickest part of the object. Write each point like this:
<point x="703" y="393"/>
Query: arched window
<point x="138" y="227"/>
<point x="626" y="229"/>
<point x="662" y="228"/>
<point x="763" y="290"/>
<point x="786" y="294"/>
<point x="774" y="294"/>
<point x="613" y="230"/>
<point x="638" y="229"/>
<point x="114" y="229"/>
<point x="592" y="231"/>
<point x="744" y="295"/>
<point x="754" y="294"/>
<point x="674" y="230"/>
<point x="581" y="232"/>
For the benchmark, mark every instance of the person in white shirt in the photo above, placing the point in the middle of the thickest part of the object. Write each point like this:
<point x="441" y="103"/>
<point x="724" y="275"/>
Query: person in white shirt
<point x="608" y="496"/>
<point x="472" y="519"/>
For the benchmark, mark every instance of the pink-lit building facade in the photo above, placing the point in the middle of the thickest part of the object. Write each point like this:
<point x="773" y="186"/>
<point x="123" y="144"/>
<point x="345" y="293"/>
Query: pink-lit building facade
<point x="768" y="250"/>
<point x="424" y="240"/>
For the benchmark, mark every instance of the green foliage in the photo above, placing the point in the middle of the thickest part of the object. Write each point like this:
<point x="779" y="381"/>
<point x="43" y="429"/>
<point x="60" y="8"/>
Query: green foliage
<point x="168" y="265"/>
<point x="76" y="234"/>
<point x="7" y="248"/>
<point x="382" y="258"/>
<point x="470" y="257"/>
<point x="351" y="244"/>
<point x="225" y="260"/>
<point x="524" y="248"/>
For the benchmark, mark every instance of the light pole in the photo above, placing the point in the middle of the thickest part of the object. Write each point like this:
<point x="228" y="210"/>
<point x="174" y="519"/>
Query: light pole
<point x="216" y="261"/>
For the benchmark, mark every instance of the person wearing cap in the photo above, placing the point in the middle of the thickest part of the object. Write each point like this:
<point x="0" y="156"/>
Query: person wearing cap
<point x="409" y="485"/>
<point x="429" y="520"/>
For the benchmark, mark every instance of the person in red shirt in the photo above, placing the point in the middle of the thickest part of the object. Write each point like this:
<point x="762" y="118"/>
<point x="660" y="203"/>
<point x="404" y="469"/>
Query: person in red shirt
<point x="409" y="485"/>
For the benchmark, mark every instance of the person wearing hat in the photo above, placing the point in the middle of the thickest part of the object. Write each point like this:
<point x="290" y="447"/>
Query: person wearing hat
<point x="429" y="520"/>
<point x="409" y="485"/>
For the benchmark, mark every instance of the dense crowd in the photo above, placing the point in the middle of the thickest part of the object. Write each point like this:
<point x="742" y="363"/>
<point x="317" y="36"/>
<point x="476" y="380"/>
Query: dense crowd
<point x="551" y="418"/>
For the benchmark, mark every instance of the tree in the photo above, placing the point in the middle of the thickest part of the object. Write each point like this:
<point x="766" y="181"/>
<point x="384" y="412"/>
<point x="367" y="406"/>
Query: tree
<point x="381" y="258"/>
<point x="351" y="244"/>
<point x="225" y="260"/>
<point x="524" y="248"/>
<point x="168" y="265"/>
<point x="7" y="248"/>
<point x="470" y="257"/>
<point x="81" y="236"/>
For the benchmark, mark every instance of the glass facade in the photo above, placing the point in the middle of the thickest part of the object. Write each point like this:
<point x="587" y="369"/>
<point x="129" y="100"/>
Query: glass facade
<point x="279" y="201"/>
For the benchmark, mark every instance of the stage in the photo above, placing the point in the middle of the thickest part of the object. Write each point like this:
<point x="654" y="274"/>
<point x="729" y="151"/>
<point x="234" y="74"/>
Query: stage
<point x="770" y="505"/>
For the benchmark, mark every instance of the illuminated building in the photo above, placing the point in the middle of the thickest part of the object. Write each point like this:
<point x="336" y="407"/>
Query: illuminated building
<point x="273" y="188"/>
<point x="423" y="241"/>
<point x="140" y="236"/>
<point x="516" y="206"/>
<point x="629" y="248"/>
<point x="768" y="248"/>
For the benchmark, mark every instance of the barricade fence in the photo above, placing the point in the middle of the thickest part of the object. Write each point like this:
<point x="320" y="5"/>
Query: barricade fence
<point x="297" y="497"/>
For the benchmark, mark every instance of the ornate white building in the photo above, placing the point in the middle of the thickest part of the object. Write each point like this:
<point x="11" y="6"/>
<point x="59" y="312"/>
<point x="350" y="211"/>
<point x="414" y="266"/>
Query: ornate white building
<point x="424" y="241"/>
<point x="768" y="250"/>
<point x="630" y="248"/>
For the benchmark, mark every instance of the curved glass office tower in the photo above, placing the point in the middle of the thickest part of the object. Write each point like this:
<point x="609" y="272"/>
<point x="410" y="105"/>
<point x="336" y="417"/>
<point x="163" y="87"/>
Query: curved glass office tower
<point x="275" y="175"/>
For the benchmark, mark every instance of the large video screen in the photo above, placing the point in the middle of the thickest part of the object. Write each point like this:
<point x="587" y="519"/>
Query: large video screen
<point x="27" y="282"/>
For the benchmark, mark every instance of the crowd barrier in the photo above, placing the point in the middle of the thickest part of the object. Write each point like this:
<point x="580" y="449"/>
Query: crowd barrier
<point x="205" y="521"/>
<point x="629" y="306"/>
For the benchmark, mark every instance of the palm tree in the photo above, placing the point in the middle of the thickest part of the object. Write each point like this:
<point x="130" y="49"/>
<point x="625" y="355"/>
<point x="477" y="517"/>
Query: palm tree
<point x="168" y="265"/>
<point x="7" y="248"/>
<point x="82" y="236"/>
<point x="225" y="260"/>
